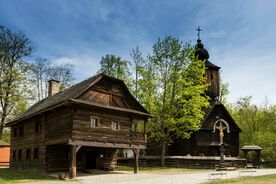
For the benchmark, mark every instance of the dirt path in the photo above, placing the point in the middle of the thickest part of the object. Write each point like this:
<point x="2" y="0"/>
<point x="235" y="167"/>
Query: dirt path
<point x="160" y="178"/>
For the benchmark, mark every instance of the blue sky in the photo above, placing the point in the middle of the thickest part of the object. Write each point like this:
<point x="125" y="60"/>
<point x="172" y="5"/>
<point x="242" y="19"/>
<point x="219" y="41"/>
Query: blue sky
<point x="239" y="34"/>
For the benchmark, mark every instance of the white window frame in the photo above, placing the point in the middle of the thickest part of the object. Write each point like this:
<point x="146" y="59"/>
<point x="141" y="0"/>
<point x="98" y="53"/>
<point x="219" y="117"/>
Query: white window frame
<point x="117" y="125"/>
<point x="96" y="124"/>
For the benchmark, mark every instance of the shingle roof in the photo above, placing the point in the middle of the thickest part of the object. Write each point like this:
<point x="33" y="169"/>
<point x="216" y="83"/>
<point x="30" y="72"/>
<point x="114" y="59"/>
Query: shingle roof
<point x="64" y="96"/>
<point x="211" y="65"/>
<point x="58" y="98"/>
<point x="2" y="143"/>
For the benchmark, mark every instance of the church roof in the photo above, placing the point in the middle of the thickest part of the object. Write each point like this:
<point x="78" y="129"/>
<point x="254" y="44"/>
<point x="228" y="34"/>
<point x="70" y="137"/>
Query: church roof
<point x="69" y="95"/>
<point x="208" y="111"/>
<point x="208" y="64"/>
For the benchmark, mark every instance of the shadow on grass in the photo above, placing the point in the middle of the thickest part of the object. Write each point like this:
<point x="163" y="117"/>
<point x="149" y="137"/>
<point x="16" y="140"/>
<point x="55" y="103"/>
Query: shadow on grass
<point x="17" y="176"/>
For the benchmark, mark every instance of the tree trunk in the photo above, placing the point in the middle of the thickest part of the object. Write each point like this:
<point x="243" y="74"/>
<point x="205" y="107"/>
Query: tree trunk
<point x="163" y="152"/>
<point x="2" y="127"/>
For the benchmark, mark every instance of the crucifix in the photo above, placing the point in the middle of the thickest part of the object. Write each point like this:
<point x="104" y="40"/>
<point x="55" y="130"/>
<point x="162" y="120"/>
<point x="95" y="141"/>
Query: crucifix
<point x="198" y="32"/>
<point x="221" y="125"/>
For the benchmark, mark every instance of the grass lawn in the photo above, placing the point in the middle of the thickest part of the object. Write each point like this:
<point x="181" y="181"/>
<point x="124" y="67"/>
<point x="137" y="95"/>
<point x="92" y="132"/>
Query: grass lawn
<point x="15" y="176"/>
<point x="154" y="169"/>
<point x="266" y="179"/>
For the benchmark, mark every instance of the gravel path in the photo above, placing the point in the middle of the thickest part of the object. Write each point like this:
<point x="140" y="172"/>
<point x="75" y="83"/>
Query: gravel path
<point x="160" y="178"/>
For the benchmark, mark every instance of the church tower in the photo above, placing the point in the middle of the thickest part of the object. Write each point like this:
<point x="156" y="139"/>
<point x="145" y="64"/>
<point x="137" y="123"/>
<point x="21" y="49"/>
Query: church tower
<point x="212" y="71"/>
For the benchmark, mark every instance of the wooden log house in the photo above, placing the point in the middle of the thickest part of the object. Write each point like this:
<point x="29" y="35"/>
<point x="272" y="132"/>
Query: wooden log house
<point x="79" y="128"/>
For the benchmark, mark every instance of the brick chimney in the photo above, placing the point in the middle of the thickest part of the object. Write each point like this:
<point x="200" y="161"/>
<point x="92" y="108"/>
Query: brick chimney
<point x="53" y="87"/>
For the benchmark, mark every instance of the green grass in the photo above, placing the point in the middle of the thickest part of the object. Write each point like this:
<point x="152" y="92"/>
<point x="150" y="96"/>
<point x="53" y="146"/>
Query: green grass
<point x="17" y="176"/>
<point x="266" y="179"/>
<point x="154" y="169"/>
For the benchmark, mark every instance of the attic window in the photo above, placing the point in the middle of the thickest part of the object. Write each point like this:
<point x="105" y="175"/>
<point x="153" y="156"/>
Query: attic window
<point x="212" y="77"/>
<point x="94" y="122"/>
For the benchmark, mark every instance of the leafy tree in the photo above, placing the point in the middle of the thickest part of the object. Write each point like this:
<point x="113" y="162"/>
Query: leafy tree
<point x="114" y="66"/>
<point x="138" y="62"/>
<point x="13" y="82"/>
<point x="42" y="70"/>
<point x="176" y="78"/>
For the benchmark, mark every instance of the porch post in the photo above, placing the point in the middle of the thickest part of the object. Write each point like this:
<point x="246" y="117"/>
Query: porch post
<point x="73" y="162"/>
<point x="136" y="160"/>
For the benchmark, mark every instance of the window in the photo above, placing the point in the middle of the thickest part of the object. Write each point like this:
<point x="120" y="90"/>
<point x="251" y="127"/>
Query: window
<point x="28" y="154"/>
<point x="212" y="77"/>
<point x="93" y="122"/>
<point x="14" y="155"/>
<point x="37" y="126"/>
<point x="21" y="131"/>
<point x="19" y="157"/>
<point x="14" y="132"/>
<point x="114" y="125"/>
<point x="35" y="153"/>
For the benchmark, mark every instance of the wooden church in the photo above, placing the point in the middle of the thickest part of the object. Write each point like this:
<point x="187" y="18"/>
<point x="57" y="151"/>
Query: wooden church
<point x="206" y="141"/>
<point x="79" y="128"/>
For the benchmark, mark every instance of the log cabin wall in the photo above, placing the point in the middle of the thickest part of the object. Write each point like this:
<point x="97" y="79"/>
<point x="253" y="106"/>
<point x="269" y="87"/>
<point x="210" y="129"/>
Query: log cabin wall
<point x="83" y="131"/>
<point x="58" y="158"/>
<point x="27" y="143"/>
<point x="59" y="125"/>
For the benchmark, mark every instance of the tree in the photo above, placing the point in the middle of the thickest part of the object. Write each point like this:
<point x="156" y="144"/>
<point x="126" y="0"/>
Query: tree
<point x="42" y="70"/>
<point x="179" y="92"/>
<point x="114" y="66"/>
<point x="13" y="81"/>
<point x="137" y="65"/>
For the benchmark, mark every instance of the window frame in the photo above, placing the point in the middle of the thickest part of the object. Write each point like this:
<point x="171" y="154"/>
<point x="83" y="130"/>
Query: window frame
<point x="97" y="122"/>
<point x="117" y="124"/>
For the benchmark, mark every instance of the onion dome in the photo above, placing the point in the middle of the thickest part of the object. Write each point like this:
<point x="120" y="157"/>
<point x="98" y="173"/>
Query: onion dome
<point x="200" y="52"/>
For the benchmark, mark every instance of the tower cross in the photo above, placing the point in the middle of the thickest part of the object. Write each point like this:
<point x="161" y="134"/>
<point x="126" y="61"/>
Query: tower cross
<point x="198" y="32"/>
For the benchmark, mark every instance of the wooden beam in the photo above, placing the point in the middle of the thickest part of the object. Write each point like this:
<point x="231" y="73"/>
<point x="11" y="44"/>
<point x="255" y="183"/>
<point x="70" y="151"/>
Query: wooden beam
<point x="136" y="160"/>
<point x="105" y="145"/>
<point x="73" y="162"/>
<point x="78" y="148"/>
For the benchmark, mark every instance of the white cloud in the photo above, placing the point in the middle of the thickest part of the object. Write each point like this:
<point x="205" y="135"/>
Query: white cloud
<point x="84" y="65"/>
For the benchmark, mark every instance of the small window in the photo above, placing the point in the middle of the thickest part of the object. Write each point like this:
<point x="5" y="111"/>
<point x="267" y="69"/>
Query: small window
<point x="19" y="156"/>
<point x="35" y="153"/>
<point x="14" y="132"/>
<point x="114" y="125"/>
<point x="14" y="155"/>
<point x="28" y="154"/>
<point x="94" y="122"/>
<point x="37" y="126"/>
<point x="212" y="77"/>
<point x="21" y="131"/>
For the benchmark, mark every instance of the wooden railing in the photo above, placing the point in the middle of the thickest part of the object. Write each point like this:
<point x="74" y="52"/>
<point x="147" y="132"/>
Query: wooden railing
<point x="139" y="137"/>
